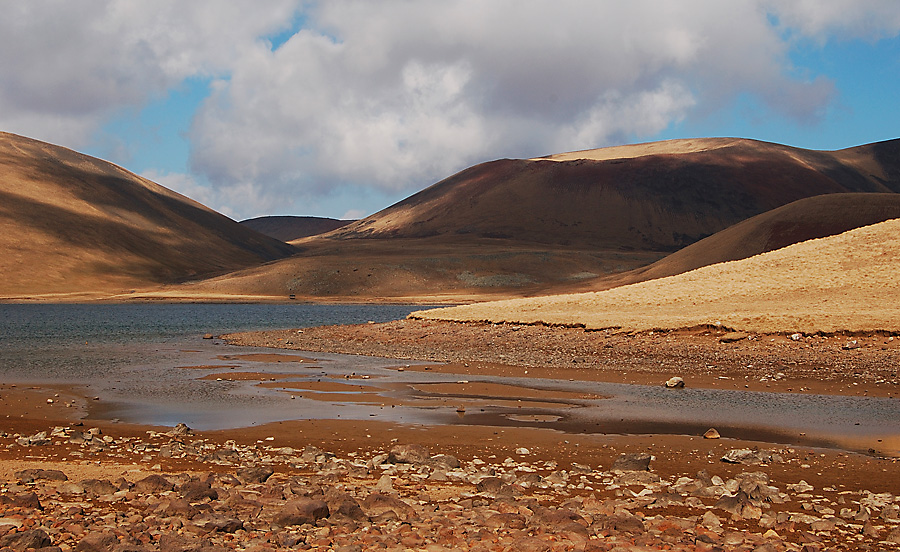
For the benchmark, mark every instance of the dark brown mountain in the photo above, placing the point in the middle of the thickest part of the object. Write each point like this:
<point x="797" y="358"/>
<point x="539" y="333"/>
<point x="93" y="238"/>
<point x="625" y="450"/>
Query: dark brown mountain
<point x="649" y="197"/>
<point x="517" y="227"/>
<point x="70" y="223"/>
<point x="287" y="228"/>
<point x="802" y="220"/>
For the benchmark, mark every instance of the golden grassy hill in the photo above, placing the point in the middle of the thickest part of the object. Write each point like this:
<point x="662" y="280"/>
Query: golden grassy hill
<point x="73" y="224"/>
<point x="520" y="227"/>
<point x="846" y="282"/>
<point x="802" y="220"/>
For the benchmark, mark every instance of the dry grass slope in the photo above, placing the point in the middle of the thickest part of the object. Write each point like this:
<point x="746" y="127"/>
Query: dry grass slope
<point x="73" y="224"/>
<point x="840" y="283"/>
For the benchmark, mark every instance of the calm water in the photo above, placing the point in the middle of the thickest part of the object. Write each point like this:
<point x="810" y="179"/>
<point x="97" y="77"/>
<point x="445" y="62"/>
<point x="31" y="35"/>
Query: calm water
<point x="134" y="358"/>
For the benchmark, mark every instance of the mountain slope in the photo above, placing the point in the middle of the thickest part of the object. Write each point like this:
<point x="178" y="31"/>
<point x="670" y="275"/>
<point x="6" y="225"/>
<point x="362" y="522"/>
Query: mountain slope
<point x="527" y="227"/>
<point x="70" y="223"/>
<point x="652" y="197"/>
<point x="846" y="282"/>
<point x="288" y="228"/>
<point x="802" y="220"/>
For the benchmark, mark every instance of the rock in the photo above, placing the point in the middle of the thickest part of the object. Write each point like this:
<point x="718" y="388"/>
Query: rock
<point x="24" y="500"/>
<point x="179" y="430"/>
<point x="32" y="475"/>
<point x="530" y="544"/>
<point x="23" y="540"/>
<point x="506" y="521"/>
<point x="195" y="491"/>
<point x="444" y="461"/>
<point x="97" y="542"/>
<point x="732" y="337"/>
<point x="221" y="524"/>
<point x="257" y="474"/>
<point x="674" y="383"/>
<point x="377" y="504"/>
<point x="751" y="456"/>
<point x="342" y="504"/>
<point x="408" y="454"/>
<point x="208" y="336"/>
<point x="385" y="485"/>
<point x="893" y="537"/>
<point x="522" y="451"/>
<point x="153" y="484"/>
<point x="851" y="345"/>
<point x="801" y="487"/>
<point x="68" y="488"/>
<point x="98" y="487"/>
<point x="734" y="504"/>
<point x="711" y="433"/>
<point x="300" y="511"/>
<point x="632" y="462"/>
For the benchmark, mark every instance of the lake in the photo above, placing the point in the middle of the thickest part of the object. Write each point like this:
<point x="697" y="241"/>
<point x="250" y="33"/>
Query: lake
<point x="150" y="364"/>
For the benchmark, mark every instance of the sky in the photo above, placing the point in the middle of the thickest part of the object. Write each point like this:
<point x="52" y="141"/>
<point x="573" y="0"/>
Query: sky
<point x="341" y="108"/>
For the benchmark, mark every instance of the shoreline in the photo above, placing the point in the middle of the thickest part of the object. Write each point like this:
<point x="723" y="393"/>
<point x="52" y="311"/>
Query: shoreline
<point x="516" y="488"/>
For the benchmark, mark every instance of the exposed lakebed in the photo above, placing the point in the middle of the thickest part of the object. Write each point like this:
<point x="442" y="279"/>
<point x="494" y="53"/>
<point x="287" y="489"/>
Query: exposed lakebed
<point x="150" y="364"/>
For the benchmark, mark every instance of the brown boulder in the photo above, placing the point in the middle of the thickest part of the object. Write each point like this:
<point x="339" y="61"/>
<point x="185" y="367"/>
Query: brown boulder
<point x="632" y="462"/>
<point x="23" y="540"/>
<point x="97" y="542"/>
<point x="408" y="454"/>
<point x="300" y="511"/>
<point x="258" y="474"/>
<point x="377" y="504"/>
<point x="153" y="484"/>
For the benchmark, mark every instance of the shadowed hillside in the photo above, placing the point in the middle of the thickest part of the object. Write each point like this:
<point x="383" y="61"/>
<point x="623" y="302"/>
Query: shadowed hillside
<point x="651" y="197"/>
<point x="70" y="223"/>
<point x="846" y="282"/>
<point x="802" y="220"/>
<point x="287" y="228"/>
<point x="517" y="227"/>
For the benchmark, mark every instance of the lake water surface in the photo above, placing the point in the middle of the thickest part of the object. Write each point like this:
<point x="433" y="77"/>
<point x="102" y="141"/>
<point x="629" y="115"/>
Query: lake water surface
<point x="147" y="363"/>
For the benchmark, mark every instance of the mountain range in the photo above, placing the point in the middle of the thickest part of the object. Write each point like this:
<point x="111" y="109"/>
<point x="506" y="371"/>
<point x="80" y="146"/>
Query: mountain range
<point x="76" y="226"/>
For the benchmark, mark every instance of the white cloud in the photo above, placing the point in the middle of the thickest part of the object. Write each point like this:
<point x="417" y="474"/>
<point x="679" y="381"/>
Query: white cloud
<point x="396" y="95"/>
<point x="70" y="64"/>
<point x="391" y="96"/>
<point x="847" y="19"/>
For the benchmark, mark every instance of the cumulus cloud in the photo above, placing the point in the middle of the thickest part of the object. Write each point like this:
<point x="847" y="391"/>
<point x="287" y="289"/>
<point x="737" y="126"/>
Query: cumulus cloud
<point x="69" y="64"/>
<point x="845" y="19"/>
<point x="393" y="95"/>
<point x="396" y="95"/>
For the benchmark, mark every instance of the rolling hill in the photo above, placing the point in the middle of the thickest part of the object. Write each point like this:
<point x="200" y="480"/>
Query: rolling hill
<point x="73" y="224"/>
<point x="801" y="220"/>
<point x="518" y="227"/>
<point x="846" y="282"/>
<point x="288" y="228"/>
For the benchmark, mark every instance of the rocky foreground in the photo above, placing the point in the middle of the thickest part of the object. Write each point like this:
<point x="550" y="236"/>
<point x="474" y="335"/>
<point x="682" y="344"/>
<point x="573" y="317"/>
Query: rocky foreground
<point x="179" y="492"/>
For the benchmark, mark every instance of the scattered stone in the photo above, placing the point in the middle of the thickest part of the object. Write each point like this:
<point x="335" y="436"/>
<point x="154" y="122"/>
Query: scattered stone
<point x="179" y="430"/>
<point x="300" y="511"/>
<point x="632" y="462"/>
<point x="258" y="474"/>
<point x="711" y="433"/>
<point x="674" y="383"/>
<point x="153" y="484"/>
<point x="32" y="475"/>
<point x="408" y="454"/>
<point x="751" y="456"/>
<point x="33" y="538"/>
